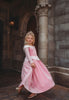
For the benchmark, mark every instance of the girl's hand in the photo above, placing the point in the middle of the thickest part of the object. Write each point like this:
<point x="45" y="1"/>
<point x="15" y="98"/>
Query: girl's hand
<point x="33" y="65"/>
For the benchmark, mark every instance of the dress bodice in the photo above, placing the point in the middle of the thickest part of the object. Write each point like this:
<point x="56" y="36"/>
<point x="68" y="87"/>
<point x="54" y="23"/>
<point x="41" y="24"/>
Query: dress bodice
<point x="30" y="52"/>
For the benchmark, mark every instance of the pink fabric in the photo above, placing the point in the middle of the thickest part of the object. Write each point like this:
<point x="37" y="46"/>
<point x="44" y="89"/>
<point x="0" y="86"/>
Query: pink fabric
<point x="38" y="79"/>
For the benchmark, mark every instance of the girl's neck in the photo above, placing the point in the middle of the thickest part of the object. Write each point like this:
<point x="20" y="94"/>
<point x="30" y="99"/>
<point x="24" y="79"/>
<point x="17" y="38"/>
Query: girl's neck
<point x="29" y="44"/>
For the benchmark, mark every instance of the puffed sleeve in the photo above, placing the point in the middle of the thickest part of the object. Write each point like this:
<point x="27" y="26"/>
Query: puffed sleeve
<point x="26" y="50"/>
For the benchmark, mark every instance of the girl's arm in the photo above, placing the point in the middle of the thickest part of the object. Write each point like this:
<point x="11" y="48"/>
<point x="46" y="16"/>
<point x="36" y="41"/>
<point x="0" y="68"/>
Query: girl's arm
<point x="28" y="56"/>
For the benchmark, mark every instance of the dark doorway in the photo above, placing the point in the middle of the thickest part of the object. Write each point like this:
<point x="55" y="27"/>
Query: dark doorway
<point x="32" y="26"/>
<point x="1" y="43"/>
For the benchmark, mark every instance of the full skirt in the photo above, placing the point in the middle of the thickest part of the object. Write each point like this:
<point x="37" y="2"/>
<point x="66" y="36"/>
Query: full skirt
<point x="38" y="79"/>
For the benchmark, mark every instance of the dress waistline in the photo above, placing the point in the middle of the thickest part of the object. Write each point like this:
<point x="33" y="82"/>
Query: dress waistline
<point x="33" y="57"/>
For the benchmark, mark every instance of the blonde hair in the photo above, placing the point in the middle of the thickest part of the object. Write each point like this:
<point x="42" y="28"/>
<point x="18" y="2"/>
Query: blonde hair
<point x="27" y="34"/>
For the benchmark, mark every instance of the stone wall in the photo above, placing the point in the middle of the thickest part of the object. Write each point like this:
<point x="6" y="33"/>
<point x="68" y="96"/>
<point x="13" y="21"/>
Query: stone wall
<point x="51" y="38"/>
<point x="4" y="12"/>
<point x="58" y="41"/>
<point x="61" y="36"/>
<point x="62" y="33"/>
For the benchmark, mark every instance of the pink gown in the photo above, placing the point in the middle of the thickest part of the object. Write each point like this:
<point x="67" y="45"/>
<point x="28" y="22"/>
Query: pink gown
<point x="38" y="79"/>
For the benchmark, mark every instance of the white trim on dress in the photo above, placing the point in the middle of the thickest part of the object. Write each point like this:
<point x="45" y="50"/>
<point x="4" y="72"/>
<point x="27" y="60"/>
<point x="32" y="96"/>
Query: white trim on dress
<point x="25" y="46"/>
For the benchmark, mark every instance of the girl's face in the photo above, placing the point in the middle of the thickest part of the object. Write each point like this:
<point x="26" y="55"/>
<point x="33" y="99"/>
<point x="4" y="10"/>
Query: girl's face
<point x="29" y="39"/>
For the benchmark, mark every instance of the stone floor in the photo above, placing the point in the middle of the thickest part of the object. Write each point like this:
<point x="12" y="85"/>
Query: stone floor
<point x="56" y="93"/>
<point x="8" y="91"/>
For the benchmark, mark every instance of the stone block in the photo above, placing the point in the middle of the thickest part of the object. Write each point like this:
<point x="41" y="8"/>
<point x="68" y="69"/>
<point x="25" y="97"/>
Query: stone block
<point x="62" y="27"/>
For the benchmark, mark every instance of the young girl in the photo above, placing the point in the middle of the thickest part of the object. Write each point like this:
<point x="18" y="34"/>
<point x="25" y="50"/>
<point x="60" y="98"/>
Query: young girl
<point x="35" y="76"/>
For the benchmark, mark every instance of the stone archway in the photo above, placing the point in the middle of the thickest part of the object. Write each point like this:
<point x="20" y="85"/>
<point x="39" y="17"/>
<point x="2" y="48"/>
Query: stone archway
<point x="29" y="22"/>
<point x="24" y="22"/>
<point x="32" y="26"/>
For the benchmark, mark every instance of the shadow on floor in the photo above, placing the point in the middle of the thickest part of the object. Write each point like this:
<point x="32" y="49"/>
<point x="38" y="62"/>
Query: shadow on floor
<point x="9" y="77"/>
